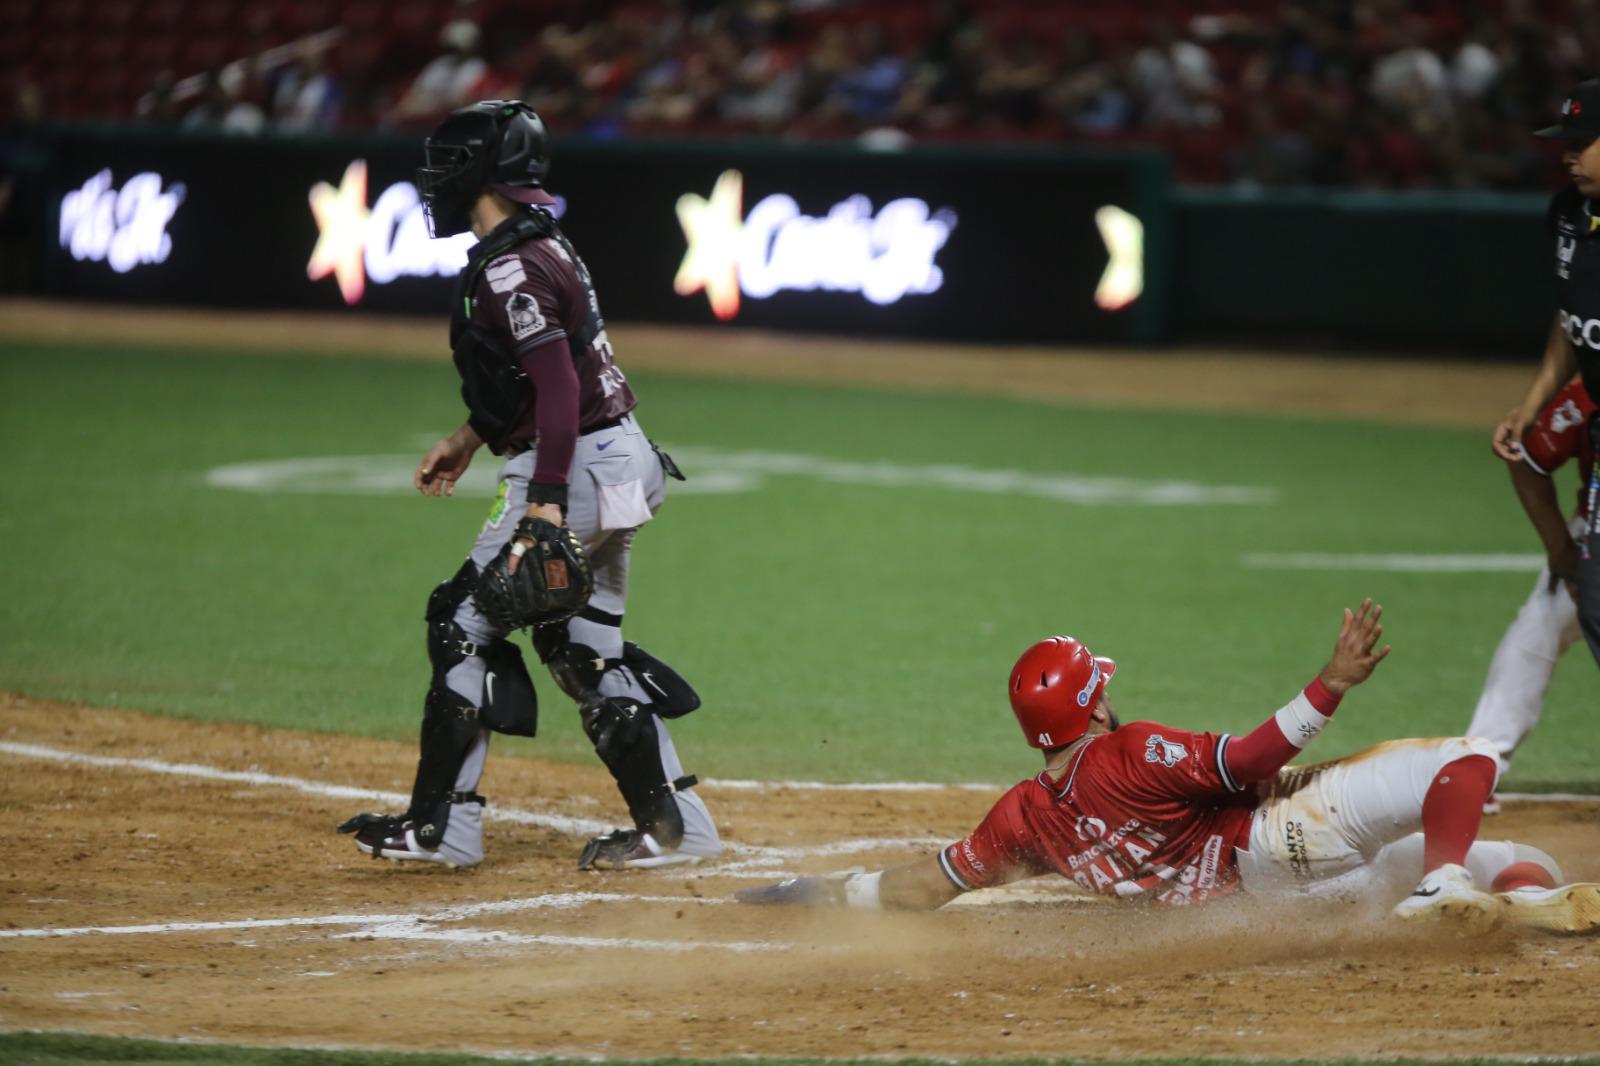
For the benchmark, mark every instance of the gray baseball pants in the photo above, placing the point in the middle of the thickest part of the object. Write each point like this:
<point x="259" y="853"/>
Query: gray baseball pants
<point x="616" y="485"/>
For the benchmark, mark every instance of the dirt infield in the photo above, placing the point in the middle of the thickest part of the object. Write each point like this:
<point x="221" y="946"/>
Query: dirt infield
<point x="1388" y="388"/>
<point x="245" y="919"/>
<point x="179" y="879"/>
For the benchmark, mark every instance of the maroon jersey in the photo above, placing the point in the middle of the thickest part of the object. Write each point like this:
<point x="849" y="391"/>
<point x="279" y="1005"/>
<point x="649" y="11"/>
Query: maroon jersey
<point x="1561" y="433"/>
<point x="537" y="299"/>
<point x="1146" y="810"/>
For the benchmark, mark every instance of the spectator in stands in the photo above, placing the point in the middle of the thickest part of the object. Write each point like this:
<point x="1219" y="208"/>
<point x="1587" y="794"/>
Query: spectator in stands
<point x="450" y="80"/>
<point x="240" y="90"/>
<point x="869" y="86"/>
<point x="307" y="96"/>
<point x="212" y="105"/>
<point x="1410" y="78"/>
<point x="158" y="104"/>
<point x="1174" y="80"/>
<point x="1091" y="96"/>
<point x="1475" y="66"/>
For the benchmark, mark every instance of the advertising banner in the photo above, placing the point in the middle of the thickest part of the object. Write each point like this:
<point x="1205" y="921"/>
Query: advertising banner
<point x="1009" y="246"/>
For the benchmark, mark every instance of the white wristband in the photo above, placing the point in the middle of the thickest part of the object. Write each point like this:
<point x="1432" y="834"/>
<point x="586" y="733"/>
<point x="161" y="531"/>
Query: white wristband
<point x="861" y="891"/>
<point x="1299" y="721"/>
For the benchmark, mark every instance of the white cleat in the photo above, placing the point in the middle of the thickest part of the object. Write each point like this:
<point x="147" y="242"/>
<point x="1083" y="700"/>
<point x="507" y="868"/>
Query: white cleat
<point x="1449" y="895"/>
<point x="1568" y="909"/>
<point x="403" y="847"/>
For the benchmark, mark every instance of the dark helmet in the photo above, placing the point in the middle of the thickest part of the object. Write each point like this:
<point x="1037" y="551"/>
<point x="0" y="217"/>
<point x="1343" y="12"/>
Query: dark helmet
<point x="493" y="143"/>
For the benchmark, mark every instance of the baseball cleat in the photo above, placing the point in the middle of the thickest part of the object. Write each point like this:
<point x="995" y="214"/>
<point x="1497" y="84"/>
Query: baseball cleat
<point x="1568" y="909"/>
<point x="629" y="849"/>
<point x="389" y="837"/>
<point x="796" y="892"/>
<point x="1449" y="895"/>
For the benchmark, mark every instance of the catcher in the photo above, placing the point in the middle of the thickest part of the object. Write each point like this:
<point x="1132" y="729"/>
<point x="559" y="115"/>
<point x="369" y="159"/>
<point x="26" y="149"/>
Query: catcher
<point x="1150" y="812"/>
<point x="541" y="388"/>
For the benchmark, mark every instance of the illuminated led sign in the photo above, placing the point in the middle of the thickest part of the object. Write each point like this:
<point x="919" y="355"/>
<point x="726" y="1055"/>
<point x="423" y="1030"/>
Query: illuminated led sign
<point x="358" y="244"/>
<point x="1123" y="279"/>
<point x="883" y="255"/>
<point x="123" y="228"/>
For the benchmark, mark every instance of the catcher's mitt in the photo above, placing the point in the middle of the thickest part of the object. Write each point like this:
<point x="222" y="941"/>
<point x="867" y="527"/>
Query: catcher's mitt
<point x="552" y="582"/>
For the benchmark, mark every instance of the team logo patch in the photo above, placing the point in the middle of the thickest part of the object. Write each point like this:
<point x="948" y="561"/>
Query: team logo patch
<point x="1565" y="417"/>
<point x="1088" y="690"/>
<point x="497" y="512"/>
<point x="523" y="312"/>
<point x="1159" y="749"/>
<point x="555" y="573"/>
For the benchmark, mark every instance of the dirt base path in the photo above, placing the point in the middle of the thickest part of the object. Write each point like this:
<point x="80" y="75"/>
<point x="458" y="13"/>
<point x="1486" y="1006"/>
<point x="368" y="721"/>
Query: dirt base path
<point x="228" y="910"/>
<point x="1304" y="384"/>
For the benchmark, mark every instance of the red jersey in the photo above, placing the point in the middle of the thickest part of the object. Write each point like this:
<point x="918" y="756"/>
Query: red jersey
<point x="1146" y="810"/>
<point x="1561" y="433"/>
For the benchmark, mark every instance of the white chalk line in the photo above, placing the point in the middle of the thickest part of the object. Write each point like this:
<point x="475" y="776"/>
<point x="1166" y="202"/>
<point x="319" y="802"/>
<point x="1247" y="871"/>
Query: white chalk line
<point x="425" y="925"/>
<point x="1401" y="562"/>
<point x="713" y="470"/>
<point x="558" y="822"/>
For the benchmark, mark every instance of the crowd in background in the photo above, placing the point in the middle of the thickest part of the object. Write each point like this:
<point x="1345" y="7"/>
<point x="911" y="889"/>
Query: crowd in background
<point x="1379" y="93"/>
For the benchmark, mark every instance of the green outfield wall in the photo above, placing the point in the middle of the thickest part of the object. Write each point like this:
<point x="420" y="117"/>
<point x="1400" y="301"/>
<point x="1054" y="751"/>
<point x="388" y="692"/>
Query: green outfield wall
<point x="1472" y="270"/>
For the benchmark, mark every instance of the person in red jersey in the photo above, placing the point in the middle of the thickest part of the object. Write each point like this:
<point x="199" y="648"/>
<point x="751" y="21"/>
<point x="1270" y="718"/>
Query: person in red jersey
<point x="1144" y="811"/>
<point x="1547" y="624"/>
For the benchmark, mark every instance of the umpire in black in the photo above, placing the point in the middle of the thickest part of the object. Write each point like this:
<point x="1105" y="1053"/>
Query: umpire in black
<point x="1573" y="346"/>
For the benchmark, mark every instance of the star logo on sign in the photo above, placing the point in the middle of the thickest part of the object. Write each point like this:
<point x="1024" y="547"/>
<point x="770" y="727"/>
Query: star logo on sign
<point x="713" y="229"/>
<point x="342" y="216"/>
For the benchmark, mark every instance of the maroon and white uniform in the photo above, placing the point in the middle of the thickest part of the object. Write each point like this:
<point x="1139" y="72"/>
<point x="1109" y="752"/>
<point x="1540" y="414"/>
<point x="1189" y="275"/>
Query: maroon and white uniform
<point x="1547" y="623"/>
<point x="1162" y="814"/>
<point x="577" y="444"/>
<point x="536" y="300"/>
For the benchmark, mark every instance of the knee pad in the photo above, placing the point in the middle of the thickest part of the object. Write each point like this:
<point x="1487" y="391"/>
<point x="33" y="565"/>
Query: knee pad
<point x="508" y="701"/>
<point x="642" y="779"/>
<point x="450" y="726"/>
<point x="575" y="667"/>
<point x="670" y="695"/>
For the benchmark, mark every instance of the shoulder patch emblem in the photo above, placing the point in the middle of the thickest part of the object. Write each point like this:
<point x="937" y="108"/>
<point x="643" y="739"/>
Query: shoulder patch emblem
<point x="522" y="310"/>
<point x="505" y="273"/>
<point x="1158" y="748"/>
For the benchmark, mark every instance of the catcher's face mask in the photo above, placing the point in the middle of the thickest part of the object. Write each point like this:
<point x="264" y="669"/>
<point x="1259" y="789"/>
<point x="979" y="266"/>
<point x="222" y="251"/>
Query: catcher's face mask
<point x="490" y="143"/>
<point x="449" y="182"/>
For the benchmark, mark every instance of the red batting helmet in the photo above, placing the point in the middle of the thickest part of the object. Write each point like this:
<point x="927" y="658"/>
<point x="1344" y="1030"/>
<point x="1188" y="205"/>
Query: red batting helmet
<point x="1054" y="686"/>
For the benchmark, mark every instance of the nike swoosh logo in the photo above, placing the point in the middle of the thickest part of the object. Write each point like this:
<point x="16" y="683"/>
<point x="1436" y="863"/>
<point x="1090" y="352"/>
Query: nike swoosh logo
<point x="607" y="444"/>
<point x="652" y="682"/>
<point x="1425" y="893"/>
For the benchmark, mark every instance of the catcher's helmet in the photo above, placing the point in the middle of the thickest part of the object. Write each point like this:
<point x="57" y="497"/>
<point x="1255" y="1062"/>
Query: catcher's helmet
<point x="499" y="143"/>
<point x="1054" y="686"/>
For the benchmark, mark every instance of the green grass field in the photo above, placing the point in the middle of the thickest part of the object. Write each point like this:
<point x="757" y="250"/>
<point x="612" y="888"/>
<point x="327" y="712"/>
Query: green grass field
<point x="837" y="630"/>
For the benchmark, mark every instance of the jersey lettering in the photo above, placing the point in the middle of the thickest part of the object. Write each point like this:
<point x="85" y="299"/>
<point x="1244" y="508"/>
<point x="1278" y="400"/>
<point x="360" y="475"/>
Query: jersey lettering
<point x="1581" y="331"/>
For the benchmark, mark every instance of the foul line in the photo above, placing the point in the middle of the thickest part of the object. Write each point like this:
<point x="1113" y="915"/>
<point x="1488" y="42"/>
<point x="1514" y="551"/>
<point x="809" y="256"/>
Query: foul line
<point x="755" y="854"/>
<point x="424" y="925"/>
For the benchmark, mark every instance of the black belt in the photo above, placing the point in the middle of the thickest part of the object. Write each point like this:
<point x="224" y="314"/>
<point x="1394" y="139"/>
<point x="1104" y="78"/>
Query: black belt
<point x="598" y="426"/>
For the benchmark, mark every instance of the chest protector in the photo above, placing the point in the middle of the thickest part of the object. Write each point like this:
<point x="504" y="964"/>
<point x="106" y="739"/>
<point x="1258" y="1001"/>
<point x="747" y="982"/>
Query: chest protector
<point x="493" y="384"/>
